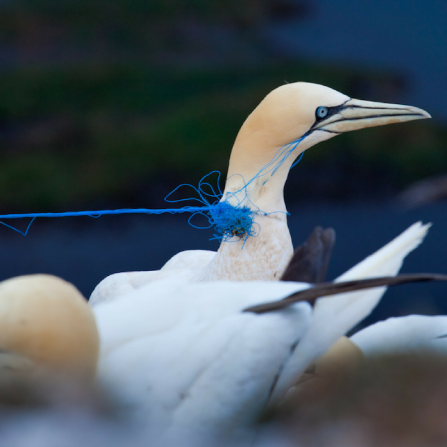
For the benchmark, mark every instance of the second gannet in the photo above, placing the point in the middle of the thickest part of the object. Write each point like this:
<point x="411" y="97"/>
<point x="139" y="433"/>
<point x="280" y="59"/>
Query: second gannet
<point x="46" y="326"/>
<point x="290" y="120"/>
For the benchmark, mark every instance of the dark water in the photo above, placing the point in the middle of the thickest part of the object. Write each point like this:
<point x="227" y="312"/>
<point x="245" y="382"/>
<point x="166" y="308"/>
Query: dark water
<point x="85" y="250"/>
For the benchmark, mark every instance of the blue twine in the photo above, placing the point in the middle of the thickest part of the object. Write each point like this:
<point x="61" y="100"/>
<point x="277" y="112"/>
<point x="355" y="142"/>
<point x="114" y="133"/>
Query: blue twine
<point x="228" y="220"/>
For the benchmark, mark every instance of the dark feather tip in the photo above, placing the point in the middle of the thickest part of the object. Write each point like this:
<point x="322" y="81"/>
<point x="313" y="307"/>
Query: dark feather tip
<point x="329" y="288"/>
<point x="310" y="261"/>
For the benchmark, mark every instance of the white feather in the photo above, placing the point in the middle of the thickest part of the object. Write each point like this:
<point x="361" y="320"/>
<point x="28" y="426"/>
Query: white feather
<point x="185" y="356"/>
<point x="404" y="335"/>
<point x="334" y="316"/>
<point x="388" y="260"/>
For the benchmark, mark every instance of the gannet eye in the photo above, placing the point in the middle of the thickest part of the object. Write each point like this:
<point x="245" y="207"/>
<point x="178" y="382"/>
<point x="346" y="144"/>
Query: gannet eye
<point x="321" y="112"/>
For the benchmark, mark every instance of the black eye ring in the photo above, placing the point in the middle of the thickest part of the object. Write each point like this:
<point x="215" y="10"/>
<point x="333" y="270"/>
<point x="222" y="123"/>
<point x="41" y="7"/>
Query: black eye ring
<point x="321" y="112"/>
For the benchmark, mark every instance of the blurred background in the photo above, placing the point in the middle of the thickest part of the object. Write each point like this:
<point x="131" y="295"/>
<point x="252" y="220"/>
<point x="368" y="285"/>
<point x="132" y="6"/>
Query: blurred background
<point x="113" y="103"/>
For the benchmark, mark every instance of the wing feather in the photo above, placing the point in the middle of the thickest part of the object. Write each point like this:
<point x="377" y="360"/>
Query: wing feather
<point x="334" y="316"/>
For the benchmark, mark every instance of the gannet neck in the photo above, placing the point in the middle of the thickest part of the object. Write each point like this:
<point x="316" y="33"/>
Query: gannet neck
<point x="251" y="181"/>
<point x="260" y="185"/>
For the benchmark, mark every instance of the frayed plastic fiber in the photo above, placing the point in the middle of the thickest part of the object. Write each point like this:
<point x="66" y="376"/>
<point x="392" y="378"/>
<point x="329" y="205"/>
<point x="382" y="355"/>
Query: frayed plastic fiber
<point x="229" y="221"/>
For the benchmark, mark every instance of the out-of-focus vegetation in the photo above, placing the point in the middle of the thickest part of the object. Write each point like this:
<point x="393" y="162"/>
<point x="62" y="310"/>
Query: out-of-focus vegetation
<point x="111" y="103"/>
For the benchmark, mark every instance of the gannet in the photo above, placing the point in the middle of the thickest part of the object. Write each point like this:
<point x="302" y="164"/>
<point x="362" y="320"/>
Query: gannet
<point x="196" y="356"/>
<point x="300" y="111"/>
<point x="46" y="326"/>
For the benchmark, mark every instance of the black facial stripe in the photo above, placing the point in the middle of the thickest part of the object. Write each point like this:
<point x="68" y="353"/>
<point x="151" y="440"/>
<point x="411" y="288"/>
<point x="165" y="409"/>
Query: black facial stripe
<point x="328" y="131"/>
<point x="355" y="106"/>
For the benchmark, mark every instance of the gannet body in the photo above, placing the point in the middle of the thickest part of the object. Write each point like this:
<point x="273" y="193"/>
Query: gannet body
<point x="46" y="326"/>
<point x="404" y="335"/>
<point x="299" y="112"/>
<point x="185" y="357"/>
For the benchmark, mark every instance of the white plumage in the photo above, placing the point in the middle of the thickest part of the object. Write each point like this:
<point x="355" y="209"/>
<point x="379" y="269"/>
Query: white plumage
<point x="404" y="335"/>
<point x="186" y="359"/>
<point x="184" y="355"/>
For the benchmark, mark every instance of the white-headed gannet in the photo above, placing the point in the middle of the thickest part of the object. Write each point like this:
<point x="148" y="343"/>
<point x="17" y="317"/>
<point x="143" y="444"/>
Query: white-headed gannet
<point x="301" y="111"/>
<point x="204" y="356"/>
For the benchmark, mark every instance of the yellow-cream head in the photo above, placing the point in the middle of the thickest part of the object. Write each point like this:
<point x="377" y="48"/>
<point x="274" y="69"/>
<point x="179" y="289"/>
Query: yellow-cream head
<point x="300" y="111"/>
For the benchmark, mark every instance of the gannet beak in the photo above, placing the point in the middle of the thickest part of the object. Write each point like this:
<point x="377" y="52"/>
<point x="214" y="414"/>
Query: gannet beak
<point x="356" y="114"/>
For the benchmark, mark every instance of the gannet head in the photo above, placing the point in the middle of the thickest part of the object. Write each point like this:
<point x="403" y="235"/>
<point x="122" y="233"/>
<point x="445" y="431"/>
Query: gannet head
<point x="293" y="110"/>
<point x="303" y="112"/>
<point x="46" y="320"/>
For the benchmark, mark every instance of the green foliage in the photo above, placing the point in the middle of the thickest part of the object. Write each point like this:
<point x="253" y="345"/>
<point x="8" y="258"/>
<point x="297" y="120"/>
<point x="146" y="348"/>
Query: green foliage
<point x="119" y="109"/>
<point x="115" y="130"/>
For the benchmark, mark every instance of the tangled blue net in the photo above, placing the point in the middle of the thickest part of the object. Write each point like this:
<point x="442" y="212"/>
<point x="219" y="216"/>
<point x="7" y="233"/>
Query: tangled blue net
<point x="228" y="220"/>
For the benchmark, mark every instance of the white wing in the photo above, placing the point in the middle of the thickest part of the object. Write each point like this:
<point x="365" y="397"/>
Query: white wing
<point x="388" y="260"/>
<point x="334" y="316"/>
<point x="183" y="354"/>
<point x="118" y="285"/>
<point x="403" y="335"/>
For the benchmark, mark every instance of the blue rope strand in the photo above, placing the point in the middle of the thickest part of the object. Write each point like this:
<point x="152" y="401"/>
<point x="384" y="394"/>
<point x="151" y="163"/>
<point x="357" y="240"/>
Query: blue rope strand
<point x="227" y="220"/>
